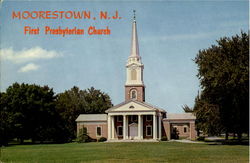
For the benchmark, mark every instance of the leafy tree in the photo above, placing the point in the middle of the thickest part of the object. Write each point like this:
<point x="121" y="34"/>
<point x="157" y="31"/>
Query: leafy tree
<point x="187" y="109"/>
<point x="207" y="117"/>
<point x="6" y="121"/>
<point x="30" y="112"/>
<point x="73" y="102"/>
<point x="224" y="76"/>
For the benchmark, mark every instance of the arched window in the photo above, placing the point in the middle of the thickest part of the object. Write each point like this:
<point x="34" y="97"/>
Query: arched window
<point x="133" y="94"/>
<point x="133" y="74"/>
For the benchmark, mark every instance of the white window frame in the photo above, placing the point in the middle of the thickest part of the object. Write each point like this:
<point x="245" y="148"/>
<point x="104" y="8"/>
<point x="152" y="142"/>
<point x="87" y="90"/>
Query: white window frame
<point x="147" y="130"/>
<point x="131" y="94"/>
<point x="118" y="130"/>
<point x="97" y="132"/>
<point x="150" y="117"/>
<point x="120" y="119"/>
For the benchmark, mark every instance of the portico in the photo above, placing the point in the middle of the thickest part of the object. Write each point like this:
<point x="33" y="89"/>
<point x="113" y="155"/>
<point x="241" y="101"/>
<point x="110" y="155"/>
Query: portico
<point x="136" y="121"/>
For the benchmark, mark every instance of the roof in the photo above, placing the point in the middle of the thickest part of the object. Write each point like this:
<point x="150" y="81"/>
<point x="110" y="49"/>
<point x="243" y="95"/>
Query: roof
<point x="180" y="116"/>
<point x="91" y="117"/>
<point x="138" y="102"/>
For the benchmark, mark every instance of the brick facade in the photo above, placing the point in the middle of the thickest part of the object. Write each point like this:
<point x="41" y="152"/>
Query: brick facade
<point x="92" y="129"/>
<point x="140" y="92"/>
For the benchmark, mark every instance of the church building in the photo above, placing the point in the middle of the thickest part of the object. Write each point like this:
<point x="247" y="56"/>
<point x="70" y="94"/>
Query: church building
<point x="134" y="119"/>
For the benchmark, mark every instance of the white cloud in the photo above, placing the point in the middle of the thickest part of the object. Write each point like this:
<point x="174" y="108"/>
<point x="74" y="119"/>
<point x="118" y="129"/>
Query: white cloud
<point x="28" y="67"/>
<point x="25" y="55"/>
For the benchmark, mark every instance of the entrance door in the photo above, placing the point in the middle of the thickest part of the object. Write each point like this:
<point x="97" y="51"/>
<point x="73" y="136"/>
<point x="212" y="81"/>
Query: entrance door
<point x="133" y="130"/>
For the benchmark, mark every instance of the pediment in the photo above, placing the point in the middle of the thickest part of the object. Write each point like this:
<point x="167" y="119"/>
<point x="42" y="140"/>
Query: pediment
<point x="131" y="106"/>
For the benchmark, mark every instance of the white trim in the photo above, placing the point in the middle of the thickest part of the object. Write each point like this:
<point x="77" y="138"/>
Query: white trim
<point x="118" y="130"/>
<point x="150" y="130"/>
<point x="133" y="89"/>
<point x="134" y="112"/>
<point x="97" y="132"/>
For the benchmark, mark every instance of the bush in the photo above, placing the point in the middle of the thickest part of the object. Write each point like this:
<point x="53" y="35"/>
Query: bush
<point x="82" y="136"/>
<point x="102" y="139"/>
<point x="164" y="138"/>
<point x="201" y="138"/>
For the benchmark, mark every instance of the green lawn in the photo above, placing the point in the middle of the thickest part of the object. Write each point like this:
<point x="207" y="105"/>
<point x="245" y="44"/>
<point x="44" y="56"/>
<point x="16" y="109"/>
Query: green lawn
<point x="125" y="152"/>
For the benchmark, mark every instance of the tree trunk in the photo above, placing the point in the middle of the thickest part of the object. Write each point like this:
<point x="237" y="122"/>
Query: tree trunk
<point x="226" y="136"/>
<point x="21" y="140"/>
<point x="239" y="136"/>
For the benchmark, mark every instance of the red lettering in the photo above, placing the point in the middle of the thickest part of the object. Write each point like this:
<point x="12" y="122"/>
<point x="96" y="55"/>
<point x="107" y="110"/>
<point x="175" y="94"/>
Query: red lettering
<point x="14" y="15"/>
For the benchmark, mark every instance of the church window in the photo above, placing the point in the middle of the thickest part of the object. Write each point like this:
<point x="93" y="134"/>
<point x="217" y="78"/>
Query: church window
<point x="119" y="119"/>
<point x="148" y="118"/>
<point x="133" y="94"/>
<point x="131" y="107"/>
<point x="148" y="130"/>
<point x="98" y="131"/>
<point x="185" y="129"/>
<point x="133" y="74"/>
<point x="119" y="130"/>
<point x="134" y="118"/>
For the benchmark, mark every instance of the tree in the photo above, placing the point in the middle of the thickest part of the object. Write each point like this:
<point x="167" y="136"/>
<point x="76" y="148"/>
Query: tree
<point x="30" y="112"/>
<point x="207" y="117"/>
<point x="224" y="76"/>
<point x="74" y="102"/>
<point x="187" y="109"/>
<point x="6" y="120"/>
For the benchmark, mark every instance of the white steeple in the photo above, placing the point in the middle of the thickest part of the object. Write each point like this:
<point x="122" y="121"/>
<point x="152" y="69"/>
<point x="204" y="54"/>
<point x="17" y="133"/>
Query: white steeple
<point x="134" y="41"/>
<point x="134" y="86"/>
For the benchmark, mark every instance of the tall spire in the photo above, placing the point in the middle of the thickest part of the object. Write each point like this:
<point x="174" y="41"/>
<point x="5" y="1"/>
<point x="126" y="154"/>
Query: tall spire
<point x="134" y="43"/>
<point x="134" y="86"/>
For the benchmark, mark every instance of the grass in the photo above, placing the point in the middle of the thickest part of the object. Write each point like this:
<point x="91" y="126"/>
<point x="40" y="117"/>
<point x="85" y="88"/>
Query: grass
<point x="125" y="152"/>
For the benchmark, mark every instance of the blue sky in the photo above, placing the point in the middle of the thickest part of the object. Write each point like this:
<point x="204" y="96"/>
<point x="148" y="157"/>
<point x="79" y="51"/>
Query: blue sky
<point x="170" y="35"/>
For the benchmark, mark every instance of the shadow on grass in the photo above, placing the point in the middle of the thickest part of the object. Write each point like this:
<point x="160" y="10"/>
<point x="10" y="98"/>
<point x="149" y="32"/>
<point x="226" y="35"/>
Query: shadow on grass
<point x="228" y="142"/>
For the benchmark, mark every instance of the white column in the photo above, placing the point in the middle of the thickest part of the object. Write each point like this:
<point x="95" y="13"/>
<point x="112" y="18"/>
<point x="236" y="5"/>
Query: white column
<point x="139" y="126"/>
<point x="160" y="126"/>
<point x="154" y="127"/>
<point x="109" y="127"/>
<point x="113" y="127"/>
<point x="127" y="127"/>
<point x="124" y="127"/>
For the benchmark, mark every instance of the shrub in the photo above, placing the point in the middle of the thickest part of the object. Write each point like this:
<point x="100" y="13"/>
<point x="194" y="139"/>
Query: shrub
<point x="164" y="138"/>
<point x="82" y="136"/>
<point x="102" y="139"/>
<point x="201" y="138"/>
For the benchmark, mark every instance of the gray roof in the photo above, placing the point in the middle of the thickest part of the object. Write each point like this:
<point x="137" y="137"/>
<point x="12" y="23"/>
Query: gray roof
<point x="181" y="116"/>
<point x="91" y="117"/>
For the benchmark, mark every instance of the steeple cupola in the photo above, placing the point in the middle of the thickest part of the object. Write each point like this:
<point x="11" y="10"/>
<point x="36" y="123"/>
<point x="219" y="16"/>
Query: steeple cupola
<point x="134" y="86"/>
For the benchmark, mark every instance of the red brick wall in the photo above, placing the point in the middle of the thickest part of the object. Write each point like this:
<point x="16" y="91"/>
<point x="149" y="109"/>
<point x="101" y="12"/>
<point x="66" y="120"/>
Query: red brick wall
<point x="118" y="124"/>
<point x="180" y="128"/>
<point x="140" y="92"/>
<point x="146" y="123"/>
<point x="190" y="134"/>
<point x="91" y="129"/>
